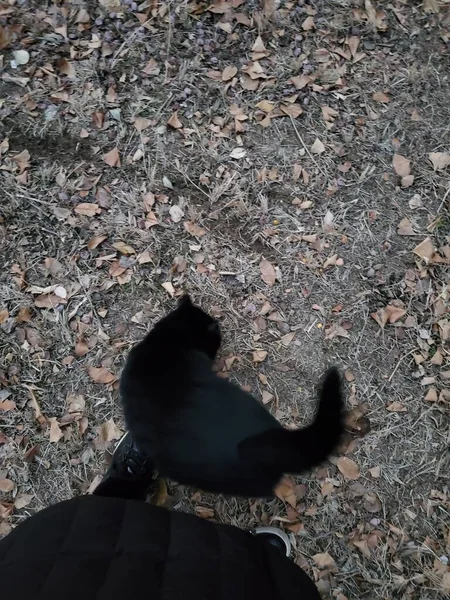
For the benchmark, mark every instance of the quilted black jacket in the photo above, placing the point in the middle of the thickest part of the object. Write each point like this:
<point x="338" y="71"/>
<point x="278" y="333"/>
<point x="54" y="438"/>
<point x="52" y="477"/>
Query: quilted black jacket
<point x="113" y="549"/>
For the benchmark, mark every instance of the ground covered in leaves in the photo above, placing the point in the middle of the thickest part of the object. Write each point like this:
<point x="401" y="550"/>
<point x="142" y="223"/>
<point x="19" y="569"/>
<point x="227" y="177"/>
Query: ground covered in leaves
<point x="288" y="164"/>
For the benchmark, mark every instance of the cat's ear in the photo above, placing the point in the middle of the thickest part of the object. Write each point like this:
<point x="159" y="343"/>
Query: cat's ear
<point x="185" y="301"/>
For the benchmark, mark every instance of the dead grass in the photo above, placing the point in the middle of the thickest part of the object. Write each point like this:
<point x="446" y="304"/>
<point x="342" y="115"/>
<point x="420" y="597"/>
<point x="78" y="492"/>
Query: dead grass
<point x="387" y="531"/>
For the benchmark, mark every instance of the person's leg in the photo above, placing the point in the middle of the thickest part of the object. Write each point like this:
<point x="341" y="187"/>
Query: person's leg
<point x="130" y="474"/>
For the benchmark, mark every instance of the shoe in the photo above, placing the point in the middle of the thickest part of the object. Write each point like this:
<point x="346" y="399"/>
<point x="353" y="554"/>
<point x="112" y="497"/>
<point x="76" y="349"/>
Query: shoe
<point x="274" y="537"/>
<point x="130" y="474"/>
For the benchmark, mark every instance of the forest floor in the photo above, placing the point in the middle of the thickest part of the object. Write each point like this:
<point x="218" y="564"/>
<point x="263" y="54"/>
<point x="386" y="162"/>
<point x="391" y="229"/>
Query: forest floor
<point x="286" y="163"/>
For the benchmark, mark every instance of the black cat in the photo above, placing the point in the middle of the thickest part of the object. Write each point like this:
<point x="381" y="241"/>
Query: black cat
<point x="204" y="431"/>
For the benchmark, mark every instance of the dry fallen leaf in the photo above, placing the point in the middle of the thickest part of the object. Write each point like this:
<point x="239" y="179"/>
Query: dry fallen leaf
<point x="317" y="147"/>
<point x="7" y="405"/>
<point x="66" y="68"/>
<point x="124" y="248"/>
<point x="194" y="229"/>
<point x="324" y="561"/>
<point x="229" y="72"/>
<point x="169" y="288"/>
<point x="6" y="485"/>
<point x="87" y="209"/>
<point x="440" y="160"/>
<point x="425" y="249"/>
<point x="142" y="123"/>
<point x="95" y="241"/>
<point x="112" y="158"/>
<point x="101" y="375"/>
<point x="348" y="467"/>
<point x="204" y="513"/>
<point x="55" y="430"/>
<point x="405" y="227"/>
<point x="259" y="356"/>
<point x="267" y="397"/>
<point x="396" y="407"/>
<point x="285" y="491"/>
<point x="107" y="432"/>
<point x="268" y="274"/>
<point x="308" y="24"/>
<point x="402" y="165"/>
<point x="174" y="121"/>
<point x="381" y="97"/>
<point x="258" y="46"/>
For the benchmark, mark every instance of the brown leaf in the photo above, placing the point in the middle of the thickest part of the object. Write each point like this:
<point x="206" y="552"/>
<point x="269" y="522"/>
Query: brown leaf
<point x="308" y="24"/>
<point x="124" y="248"/>
<point x="24" y="315"/>
<point x="142" y="123"/>
<point x="6" y="485"/>
<point x="87" y="209"/>
<point x="324" y="561"/>
<point x="381" y="97"/>
<point x="55" y="431"/>
<point x="265" y="106"/>
<point x="292" y="110"/>
<point x="174" y="121"/>
<point x="287" y="339"/>
<point x="112" y="158"/>
<point x="317" y="147"/>
<point x="194" y="229"/>
<point x="394" y="313"/>
<point x="440" y="160"/>
<point x="5" y="37"/>
<point x="101" y="375"/>
<point x="301" y="81"/>
<point x="329" y="114"/>
<point x="204" y="513"/>
<point x="285" y="491"/>
<point x="151" y="68"/>
<point x="107" y="432"/>
<point x="169" y="288"/>
<point x="66" y="68"/>
<point x="95" y="241"/>
<point x="258" y="46"/>
<point x="425" y="249"/>
<point x="396" y="407"/>
<point x="151" y="219"/>
<point x="4" y="315"/>
<point x="267" y="397"/>
<point x="37" y="410"/>
<point x="81" y="348"/>
<point x="248" y="83"/>
<point x="402" y="166"/>
<point x="52" y="266"/>
<point x="268" y="274"/>
<point x="7" y="405"/>
<point x="23" y="500"/>
<point x="23" y="160"/>
<point x="348" y="467"/>
<point x="259" y="356"/>
<point x="405" y="227"/>
<point x="229" y="72"/>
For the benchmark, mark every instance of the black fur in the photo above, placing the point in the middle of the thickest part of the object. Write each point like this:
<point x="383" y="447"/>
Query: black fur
<point x="204" y="431"/>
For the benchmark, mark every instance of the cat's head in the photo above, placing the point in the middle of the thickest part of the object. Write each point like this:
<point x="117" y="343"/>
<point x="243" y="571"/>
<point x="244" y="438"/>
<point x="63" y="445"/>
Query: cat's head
<point x="202" y="330"/>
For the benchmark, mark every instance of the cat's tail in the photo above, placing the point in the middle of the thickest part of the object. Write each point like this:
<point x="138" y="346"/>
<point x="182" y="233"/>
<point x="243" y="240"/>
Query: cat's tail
<point x="294" y="451"/>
